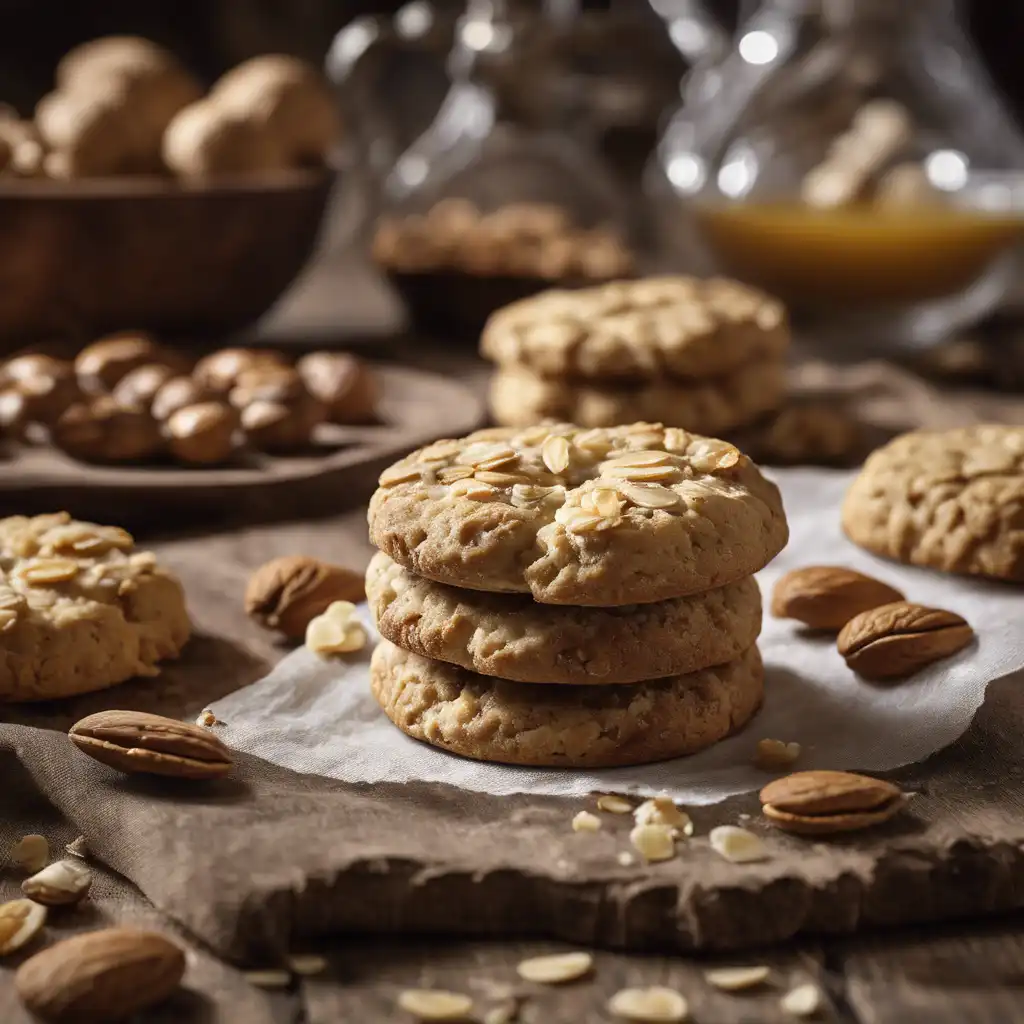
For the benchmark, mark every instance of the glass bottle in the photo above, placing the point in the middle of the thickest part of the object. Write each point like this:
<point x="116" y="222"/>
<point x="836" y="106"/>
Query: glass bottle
<point x="853" y="157"/>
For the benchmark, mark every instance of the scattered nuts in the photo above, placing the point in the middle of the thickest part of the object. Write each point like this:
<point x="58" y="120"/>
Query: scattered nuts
<point x="614" y="804"/>
<point x="896" y="640"/>
<point x="30" y="853"/>
<point x="435" y="1004"/>
<point x="277" y="427"/>
<point x="662" y="810"/>
<point x="139" y="387"/>
<point x="101" y="365"/>
<point x="177" y="393"/>
<point x="102" y="975"/>
<point x="343" y="383"/>
<point x="802" y="1001"/>
<point x="828" y="596"/>
<point x="824" y="802"/>
<point x="45" y="388"/>
<point x="736" y="979"/>
<point x="20" y="922"/>
<point x="103" y="431"/>
<point x="737" y="844"/>
<point x="59" y="884"/>
<point x="269" y="979"/>
<point x="267" y="382"/>
<point x="133" y="741"/>
<point x="287" y="593"/>
<point x="336" y="631"/>
<point x="586" y="822"/>
<point x="219" y="371"/>
<point x="774" y="755"/>
<point x="654" y="1005"/>
<point x="654" y="842"/>
<point x="203" y="434"/>
<point x="556" y="968"/>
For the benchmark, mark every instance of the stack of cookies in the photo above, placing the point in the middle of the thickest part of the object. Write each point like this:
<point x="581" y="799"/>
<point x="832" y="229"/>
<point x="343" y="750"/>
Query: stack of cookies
<point x="707" y="356"/>
<point x="559" y="596"/>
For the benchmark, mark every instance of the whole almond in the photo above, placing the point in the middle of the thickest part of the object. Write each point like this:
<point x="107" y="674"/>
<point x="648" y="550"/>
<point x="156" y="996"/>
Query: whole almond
<point x="824" y="802"/>
<point x="286" y="594"/>
<point x="136" y="742"/>
<point x="828" y="596"/>
<point x="99" y="976"/>
<point x="897" y="640"/>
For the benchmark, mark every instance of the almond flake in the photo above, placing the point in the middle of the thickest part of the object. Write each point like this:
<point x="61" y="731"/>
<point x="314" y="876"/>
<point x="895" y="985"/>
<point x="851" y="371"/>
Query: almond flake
<point x="450" y="474"/>
<point x="576" y="520"/>
<point x="586" y="822"/>
<point x="435" y="1004"/>
<point x="498" y="479"/>
<point x="399" y="474"/>
<point x="30" y="853"/>
<point x="20" y="922"/>
<point x="11" y="600"/>
<point x="556" y="968"/>
<point x="737" y="844"/>
<point x="306" y="964"/>
<point x="77" y="848"/>
<point x="555" y="453"/>
<point x="662" y="810"/>
<point x="641" y="474"/>
<point x="8" y="619"/>
<point x="475" y="490"/>
<point x="593" y="441"/>
<point x="488" y="456"/>
<point x="636" y="459"/>
<point x="532" y="436"/>
<point x="654" y="1005"/>
<point x="710" y="456"/>
<point x="676" y="440"/>
<point x="336" y="631"/>
<point x="614" y="804"/>
<point x="440" y="450"/>
<point x="604" y="501"/>
<point x="653" y="842"/>
<point x="648" y="495"/>
<point x="42" y="571"/>
<point x="774" y="755"/>
<point x="528" y="494"/>
<point x="802" y="1001"/>
<point x="736" y="979"/>
<point x="268" y="979"/>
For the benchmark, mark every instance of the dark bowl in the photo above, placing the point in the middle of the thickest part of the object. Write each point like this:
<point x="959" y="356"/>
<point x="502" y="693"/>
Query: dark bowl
<point x="84" y="258"/>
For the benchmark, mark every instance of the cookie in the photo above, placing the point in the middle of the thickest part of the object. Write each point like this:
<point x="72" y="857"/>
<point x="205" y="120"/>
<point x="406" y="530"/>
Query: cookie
<point x="627" y="515"/>
<point x="519" y="398"/>
<point x="950" y="500"/>
<point x="681" y="327"/>
<point x="510" y="636"/>
<point x="80" y="609"/>
<point x="560" y="726"/>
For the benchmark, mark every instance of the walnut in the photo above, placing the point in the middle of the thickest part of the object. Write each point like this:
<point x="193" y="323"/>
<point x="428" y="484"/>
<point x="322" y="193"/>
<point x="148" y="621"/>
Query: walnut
<point x="202" y="434"/>
<point x="103" y="431"/>
<point x="287" y="593"/>
<point x="344" y="384"/>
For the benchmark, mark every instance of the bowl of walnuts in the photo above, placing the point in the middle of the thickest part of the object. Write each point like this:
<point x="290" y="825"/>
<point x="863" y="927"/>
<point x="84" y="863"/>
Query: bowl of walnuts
<point x="136" y="196"/>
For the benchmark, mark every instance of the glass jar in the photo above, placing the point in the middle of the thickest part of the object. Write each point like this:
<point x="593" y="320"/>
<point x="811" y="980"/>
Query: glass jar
<point x="480" y="210"/>
<point x="852" y="157"/>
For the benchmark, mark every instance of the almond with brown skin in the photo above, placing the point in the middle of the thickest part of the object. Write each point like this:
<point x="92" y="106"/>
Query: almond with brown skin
<point x="100" y="976"/>
<point x="136" y="742"/>
<point x="896" y="640"/>
<point x="287" y="593"/>
<point x="822" y="802"/>
<point x="828" y="596"/>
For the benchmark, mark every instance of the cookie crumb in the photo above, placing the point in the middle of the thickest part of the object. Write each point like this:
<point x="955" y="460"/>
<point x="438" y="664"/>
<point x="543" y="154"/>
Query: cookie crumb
<point x="737" y="844"/>
<point x="654" y="842"/>
<point x="586" y="822"/>
<point x="78" y="848"/>
<point x="802" y="1001"/>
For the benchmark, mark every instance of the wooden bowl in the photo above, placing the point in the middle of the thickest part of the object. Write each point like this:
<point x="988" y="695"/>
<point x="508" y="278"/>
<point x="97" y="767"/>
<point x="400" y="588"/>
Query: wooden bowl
<point x="84" y="258"/>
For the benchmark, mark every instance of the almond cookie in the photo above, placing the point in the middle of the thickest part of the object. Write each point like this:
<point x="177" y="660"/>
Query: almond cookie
<point x="510" y="636"/>
<point x="559" y="726"/>
<point x="950" y="500"/>
<point x="647" y="329"/>
<point x="626" y="515"/>
<point x="519" y="398"/>
<point x="80" y="609"/>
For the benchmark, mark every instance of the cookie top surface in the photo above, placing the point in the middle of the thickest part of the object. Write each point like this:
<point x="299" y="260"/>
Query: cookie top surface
<point x="677" y="326"/>
<point x="80" y="608"/>
<point x="578" y="726"/>
<point x="602" y="517"/>
<point x="950" y="500"/>
<point x="510" y="636"/>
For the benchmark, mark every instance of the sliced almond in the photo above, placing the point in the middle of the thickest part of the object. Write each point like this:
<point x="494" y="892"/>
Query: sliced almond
<point x="614" y="804"/>
<point x="306" y="964"/>
<point x="737" y="844"/>
<point x="435" y="1004"/>
<point x="498" y="479"/>
<point x="576" y="520"/>
<point x="44" y="571"/>
<point x="710" y="456"/>
<point x="555" y="452"/>
<point x="450" y="474"/>
<point x="736" y="979"/>
<point x="488" y="456"/>
<point x="336" y="631"/>
<point x="20" y="922"/>
<point x="586" y="822"/>
<point x="475" y="490"/>
<point x="400" y="474"/>
<point x="604" y="501"/>
<point x="30" y="853"/>
<point x="653" y="842"/>
<point x="440" y="450"/>
<point x="556" y="968"/>
<point x="636" y="459"/>
<point x="641" y="474"/>
<point x="676" y="440"/>
<point x="269" y="979"/>
<point x="654" y="1005"/>
<point x="648" y="495"/>
<point x="802" y="1001"/>
<point x="662" y="810"/>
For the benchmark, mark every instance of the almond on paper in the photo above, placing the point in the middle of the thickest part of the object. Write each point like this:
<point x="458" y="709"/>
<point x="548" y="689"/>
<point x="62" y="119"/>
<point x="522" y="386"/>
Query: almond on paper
<point x="737" y="844"/>
<point x="556" y="968"/>
<point x="736" y="979"/>
<point x="428" y="1004"/>
<point x="653" y="1005"/>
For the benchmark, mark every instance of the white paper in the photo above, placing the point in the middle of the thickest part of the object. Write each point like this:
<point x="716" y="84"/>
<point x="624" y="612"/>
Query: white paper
<point x="319" y="716"/>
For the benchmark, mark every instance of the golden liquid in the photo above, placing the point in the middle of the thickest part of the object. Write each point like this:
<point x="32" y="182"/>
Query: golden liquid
<point x="857" y="255"/>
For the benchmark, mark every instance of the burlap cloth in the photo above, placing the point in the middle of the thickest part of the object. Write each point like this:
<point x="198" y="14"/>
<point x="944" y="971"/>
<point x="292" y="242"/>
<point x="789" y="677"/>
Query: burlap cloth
<point x="269" y="860"/>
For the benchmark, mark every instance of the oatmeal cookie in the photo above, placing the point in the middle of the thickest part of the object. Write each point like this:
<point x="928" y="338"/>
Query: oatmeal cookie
<point x="950" y="500"/>
<point x="512" y="637"/>
<point x="80" y="609"/>
<point x="681" y="327"/>
<point x="626" y="515"/>
<point x="519" y="398"/>
<point x="558" y="726"/>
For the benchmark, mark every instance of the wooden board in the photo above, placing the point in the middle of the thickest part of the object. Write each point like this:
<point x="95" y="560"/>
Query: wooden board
<point x="415" y="408"/>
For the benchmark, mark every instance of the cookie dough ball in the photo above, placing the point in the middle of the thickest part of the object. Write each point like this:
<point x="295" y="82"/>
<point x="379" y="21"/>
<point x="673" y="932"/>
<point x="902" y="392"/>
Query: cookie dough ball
<point x="206" y="140"/>
<point x="289" y="98"/>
